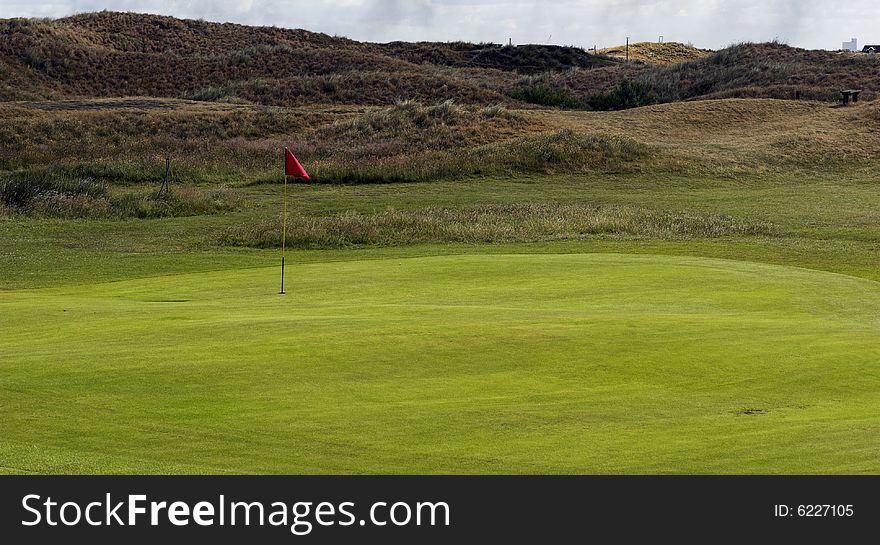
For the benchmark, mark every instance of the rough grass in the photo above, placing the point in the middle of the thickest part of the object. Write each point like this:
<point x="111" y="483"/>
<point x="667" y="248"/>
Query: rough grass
<point x="126" y="141"/>
<point x="627" y="94"/>
<point x="20" y="190"/>
<point x="770" y="70"/>
<point x="485" y="224"/>
<point x="129" y="138"/>
<point x="58" y="196"/>
<point x="561" y="151"/>
<point x="181" y="201"/>
<point x="527" y="58"/>
<point x="410" y="126"/>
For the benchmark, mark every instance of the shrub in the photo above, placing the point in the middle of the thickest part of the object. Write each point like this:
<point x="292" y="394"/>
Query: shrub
<point x="627" y="94"/>
<point x="544" y="95"/>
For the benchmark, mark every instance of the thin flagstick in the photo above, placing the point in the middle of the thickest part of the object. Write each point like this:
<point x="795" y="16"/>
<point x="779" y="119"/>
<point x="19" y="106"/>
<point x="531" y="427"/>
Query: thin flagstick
<point x="283" y="233"/>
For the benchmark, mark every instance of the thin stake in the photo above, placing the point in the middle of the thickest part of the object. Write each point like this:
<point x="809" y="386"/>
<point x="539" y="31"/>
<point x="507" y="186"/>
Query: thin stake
<point x="166" y="184"/>
<point x="283" y="233"/>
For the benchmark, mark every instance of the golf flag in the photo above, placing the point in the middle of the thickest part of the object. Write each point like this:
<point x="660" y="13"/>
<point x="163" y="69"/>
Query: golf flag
<point x="293" y="168"/>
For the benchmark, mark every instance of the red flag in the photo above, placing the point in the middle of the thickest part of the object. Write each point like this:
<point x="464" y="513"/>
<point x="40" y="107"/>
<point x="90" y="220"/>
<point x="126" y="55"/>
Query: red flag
<point x="292" y="166"/>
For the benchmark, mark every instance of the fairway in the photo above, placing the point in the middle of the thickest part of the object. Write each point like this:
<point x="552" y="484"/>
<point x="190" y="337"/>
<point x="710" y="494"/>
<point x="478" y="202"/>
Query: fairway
<point x="595" y="363"/>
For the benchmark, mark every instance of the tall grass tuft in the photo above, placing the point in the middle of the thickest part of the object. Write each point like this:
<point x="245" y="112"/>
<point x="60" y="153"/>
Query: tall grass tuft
<point x="20" y="190"/>
<point x="48" y="195"/>
<point x="486" y="224"/>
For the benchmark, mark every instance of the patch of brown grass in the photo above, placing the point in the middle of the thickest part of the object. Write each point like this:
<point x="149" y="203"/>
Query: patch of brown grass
<point x="657" y="53"/>
<point x="740" y="136"/>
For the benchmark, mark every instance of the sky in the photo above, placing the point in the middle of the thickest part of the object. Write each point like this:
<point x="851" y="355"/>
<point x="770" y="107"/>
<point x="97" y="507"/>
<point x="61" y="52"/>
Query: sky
<point x="713" y="24"/>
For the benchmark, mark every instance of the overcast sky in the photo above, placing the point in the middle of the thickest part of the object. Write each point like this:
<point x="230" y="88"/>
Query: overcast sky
<point x="821" y="24"/>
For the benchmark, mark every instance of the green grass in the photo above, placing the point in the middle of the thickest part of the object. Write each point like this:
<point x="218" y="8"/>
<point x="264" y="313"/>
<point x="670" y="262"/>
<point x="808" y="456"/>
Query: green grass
<point x="828" y="222"/>
<point x="153" y="348"/>
<point x="461" y="364"/>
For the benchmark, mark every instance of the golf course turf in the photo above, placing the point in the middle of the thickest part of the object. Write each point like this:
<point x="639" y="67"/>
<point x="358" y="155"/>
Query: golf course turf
<point x="551" y="363"/>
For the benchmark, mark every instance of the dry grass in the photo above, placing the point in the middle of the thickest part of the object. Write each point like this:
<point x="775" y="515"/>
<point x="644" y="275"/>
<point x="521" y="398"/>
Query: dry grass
<point x="739" y="135"/>
<point x="557" y="152"/>
<point x="412" y="126"/>
<point x="141" y="131"/>
<point x="122" y="54"/>
<point x="656" y="53"/>
<point x="125" y="141"/>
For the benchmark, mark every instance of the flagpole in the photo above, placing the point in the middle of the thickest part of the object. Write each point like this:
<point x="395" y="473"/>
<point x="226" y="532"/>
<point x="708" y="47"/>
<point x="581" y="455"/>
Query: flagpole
<point x="283" y="232"/>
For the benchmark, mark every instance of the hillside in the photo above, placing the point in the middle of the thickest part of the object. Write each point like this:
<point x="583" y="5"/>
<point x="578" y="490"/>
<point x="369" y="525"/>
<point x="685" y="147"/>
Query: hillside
<point x="111" y="54"/>
<point x="123" y="54"/>
<point x="656" y="53"/>
<point x="115" y="54"/>
<point x="740" y="135"/>
<point x="769" y="70"/>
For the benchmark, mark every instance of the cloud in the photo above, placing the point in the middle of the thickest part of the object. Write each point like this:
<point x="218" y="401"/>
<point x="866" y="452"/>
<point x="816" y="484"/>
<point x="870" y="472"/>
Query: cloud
<point x="706" y="23"/>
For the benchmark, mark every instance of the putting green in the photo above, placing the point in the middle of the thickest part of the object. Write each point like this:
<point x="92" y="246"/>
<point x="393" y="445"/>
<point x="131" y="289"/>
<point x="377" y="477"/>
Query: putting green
<point x="454" y="364"/>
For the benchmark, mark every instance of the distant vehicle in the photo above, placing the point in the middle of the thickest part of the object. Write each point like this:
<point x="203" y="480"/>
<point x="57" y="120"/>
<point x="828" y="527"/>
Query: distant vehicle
<point x="871" y="49"/>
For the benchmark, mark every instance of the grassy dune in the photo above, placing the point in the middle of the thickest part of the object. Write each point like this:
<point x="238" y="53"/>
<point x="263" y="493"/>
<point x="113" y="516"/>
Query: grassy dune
<point x="461" y="364"/>
<point x="656" y="53"/>
<point x="123" y="54"/>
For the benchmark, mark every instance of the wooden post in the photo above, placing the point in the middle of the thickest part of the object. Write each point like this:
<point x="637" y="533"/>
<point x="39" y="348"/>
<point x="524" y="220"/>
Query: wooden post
<point x="166" y="183"/>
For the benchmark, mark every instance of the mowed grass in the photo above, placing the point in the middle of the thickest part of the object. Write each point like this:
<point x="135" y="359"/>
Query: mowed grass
<point x="580" y="363"/>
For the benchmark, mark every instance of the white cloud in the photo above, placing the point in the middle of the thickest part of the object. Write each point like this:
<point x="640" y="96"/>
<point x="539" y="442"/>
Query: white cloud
<point x="707" y="23"/>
